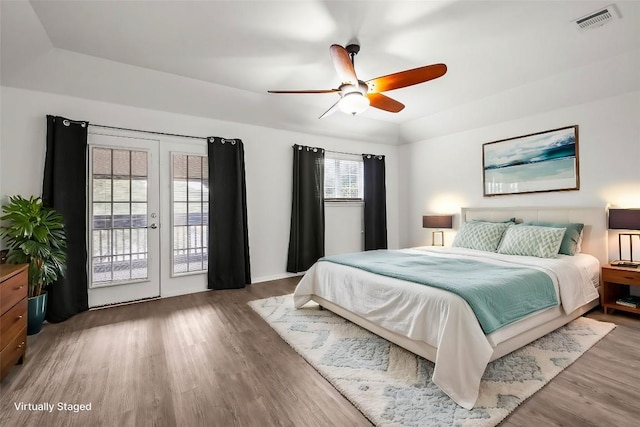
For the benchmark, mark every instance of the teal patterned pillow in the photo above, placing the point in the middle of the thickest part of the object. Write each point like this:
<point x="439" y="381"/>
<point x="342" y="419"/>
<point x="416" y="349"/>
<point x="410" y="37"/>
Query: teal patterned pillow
<point x="482" y="236"/>
<point x="531" y="240"/>
<point x="569" y="245"/>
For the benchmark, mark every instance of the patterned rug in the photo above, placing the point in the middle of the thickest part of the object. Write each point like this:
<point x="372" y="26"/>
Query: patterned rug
<point x="392" y="387"/>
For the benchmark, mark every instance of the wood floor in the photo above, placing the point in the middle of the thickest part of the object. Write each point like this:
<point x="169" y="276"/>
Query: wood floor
<point x="207" y="359"/>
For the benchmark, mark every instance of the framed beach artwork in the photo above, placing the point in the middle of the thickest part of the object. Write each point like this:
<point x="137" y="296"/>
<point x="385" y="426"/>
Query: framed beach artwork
<point x="538" y="162"/>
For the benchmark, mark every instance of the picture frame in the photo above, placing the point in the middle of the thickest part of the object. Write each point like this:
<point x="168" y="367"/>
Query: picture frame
<point x="534" y="163"/>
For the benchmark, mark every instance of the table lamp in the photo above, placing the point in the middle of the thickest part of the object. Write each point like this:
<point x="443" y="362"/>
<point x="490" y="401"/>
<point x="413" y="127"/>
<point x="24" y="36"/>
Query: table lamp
<point x="438" y="222"/>
<point x="625" y="219"/>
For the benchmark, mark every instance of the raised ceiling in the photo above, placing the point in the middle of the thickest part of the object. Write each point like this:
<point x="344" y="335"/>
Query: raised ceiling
<point x="208" y="53"/>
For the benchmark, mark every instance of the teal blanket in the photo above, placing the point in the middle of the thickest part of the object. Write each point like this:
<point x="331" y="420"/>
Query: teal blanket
<point x="499" y="295"/>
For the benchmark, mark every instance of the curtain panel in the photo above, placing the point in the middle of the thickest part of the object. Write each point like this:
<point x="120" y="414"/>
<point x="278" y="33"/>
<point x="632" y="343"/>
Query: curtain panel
<point x="229" y="265"/>
<point x="64" y="188"/>
<point x="306" y="236"/>
<point x="375" y="203"/>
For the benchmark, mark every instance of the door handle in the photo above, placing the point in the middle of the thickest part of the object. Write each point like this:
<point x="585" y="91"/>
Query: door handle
<point x="152" y="226"/>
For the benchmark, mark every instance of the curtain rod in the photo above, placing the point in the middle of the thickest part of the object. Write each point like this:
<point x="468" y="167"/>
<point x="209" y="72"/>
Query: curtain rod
<point x="339" y="152"/>
<point x="380" y="156"/>
<point x="343" y="152"/>
<point x="150" y="131"/>
<point x="189" y="136"/>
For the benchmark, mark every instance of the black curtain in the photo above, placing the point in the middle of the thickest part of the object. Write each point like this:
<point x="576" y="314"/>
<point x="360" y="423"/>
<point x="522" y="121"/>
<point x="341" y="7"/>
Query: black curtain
<point x="375" y="203"/>
<point x="229" y="266"/>
<point x="306" y="238"/>
<point x="64" y="188"/>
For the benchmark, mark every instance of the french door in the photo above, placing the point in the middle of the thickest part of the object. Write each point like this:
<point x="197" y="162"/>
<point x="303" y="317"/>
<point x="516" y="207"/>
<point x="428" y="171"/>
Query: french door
<point x="124" y="241"/>
<point x="148" y="212"/>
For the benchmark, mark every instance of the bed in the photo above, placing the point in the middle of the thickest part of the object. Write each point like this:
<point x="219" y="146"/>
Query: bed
<point x="440" y="325"/>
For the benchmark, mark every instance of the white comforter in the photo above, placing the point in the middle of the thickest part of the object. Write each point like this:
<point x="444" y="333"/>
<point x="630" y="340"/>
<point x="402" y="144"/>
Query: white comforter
<point x="437" y="317"/>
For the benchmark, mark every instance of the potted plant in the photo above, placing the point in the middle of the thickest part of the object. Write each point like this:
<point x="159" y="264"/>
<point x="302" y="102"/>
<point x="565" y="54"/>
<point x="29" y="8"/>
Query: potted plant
<point x="35" y="235"/>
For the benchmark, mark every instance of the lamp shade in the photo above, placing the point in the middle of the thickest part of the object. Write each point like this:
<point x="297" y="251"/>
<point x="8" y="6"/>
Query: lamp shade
<point x="437" y="221"/>
<point x="624" y="219"/>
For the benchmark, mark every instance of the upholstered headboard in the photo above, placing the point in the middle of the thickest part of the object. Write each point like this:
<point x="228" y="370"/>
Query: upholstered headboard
<point x="594" y="235"/>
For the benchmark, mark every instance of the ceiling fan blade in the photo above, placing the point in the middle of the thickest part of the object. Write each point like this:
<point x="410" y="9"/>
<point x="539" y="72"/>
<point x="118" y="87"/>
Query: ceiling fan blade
<point x="406" y="78"/>
<point x="385" y="103"/>
<point x="305" y="91"/>
<point x="343" y="65"/>
<point x="331" y="110"/>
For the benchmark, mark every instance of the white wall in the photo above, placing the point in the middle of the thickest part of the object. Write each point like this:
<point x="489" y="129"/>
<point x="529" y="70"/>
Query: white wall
<point x="346" y="221"/>
<point x="268" y="159"/>
<point x="444" y="173"/>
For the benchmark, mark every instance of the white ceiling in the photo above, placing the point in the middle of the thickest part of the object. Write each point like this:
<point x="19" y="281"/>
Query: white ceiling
<point x="237" y="50"/>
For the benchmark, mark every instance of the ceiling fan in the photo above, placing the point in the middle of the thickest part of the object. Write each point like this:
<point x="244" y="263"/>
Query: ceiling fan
<point x="356" y="95"/>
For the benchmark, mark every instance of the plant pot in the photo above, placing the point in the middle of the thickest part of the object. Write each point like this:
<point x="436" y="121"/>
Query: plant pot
<point x="37" y="309"/>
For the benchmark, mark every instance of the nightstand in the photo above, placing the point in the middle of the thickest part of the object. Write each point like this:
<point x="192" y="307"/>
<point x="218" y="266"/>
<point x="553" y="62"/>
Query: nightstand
<point x="616" y="282"/>
<point x="13" y="315"/>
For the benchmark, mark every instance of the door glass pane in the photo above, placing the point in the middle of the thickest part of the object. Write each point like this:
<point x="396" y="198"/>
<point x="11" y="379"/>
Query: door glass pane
<point x="101" y="190"/>
<point x="179" y="166"/>
<point x="139" y="190"/>
<point x="101" y="162"/>
<point x="119" y="208"/>
<point x="179" y="190"/>
<point x="194" y="165"/>
<point x="138" y="215"/>
<point x="121" y="162"/>
<point x="195" y="190"/>
<point x="139" y="164"/>
<point x="195" y="213"/>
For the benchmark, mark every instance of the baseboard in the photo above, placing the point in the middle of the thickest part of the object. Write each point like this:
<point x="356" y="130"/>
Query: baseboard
<point x="276" y="277"/>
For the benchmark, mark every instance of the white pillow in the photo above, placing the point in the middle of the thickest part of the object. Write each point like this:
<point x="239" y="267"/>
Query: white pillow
<point x="532" y="240"/>
<point x="579" y="244"/>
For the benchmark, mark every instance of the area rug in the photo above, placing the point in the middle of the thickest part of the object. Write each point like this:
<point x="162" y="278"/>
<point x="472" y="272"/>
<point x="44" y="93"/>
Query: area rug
<point x="392" y="386"/>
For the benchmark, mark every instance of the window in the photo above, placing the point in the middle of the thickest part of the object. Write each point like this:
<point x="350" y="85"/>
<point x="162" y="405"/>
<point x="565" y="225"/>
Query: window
<point x="343" y="177"/>
<point x="190" y="184"/>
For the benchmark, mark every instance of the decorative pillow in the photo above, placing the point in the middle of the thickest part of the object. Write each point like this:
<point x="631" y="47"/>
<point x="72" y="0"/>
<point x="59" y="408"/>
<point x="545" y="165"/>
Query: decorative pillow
<point x="571" y="239"/>
<point x="531" y="240"/>
<point x="510" y="220"/>
<point x="479" y="235"/>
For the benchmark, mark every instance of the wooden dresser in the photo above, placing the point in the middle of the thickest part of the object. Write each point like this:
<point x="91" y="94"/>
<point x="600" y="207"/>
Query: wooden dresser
<point x="13" y="315"/>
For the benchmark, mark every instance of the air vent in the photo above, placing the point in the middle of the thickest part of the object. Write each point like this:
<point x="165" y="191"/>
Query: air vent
<point x="598" y="18"/>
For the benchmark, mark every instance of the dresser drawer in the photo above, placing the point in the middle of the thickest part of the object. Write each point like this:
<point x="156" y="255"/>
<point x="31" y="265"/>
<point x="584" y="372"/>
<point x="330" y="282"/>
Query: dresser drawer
<point x="10" y="355"/>
<point x="621" y="276"/>
<point x="13" y="290"/>
<point x="12" y="323"/>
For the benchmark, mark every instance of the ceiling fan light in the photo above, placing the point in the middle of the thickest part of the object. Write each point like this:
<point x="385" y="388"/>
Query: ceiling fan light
<point x="353" y="103"/>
